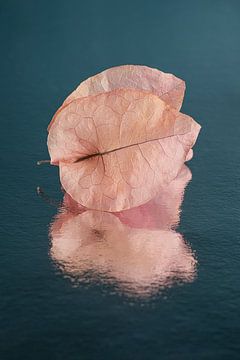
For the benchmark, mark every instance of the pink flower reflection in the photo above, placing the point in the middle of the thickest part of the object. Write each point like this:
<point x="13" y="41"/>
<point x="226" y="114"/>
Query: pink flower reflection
<point x="135" y="249"/>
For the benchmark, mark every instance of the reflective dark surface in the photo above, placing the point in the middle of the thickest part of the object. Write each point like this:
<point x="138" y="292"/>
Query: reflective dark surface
<point x="136" y="251"/>
<point x="47" y="48"/>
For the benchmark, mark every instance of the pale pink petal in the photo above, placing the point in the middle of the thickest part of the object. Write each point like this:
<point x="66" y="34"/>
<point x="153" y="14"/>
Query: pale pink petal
<point x="167" y="86"/>
<point x="140" y="145"/>
<point x="71" y="205"/>
<point x="161" y="212"/>
<point x="189" y="155"/>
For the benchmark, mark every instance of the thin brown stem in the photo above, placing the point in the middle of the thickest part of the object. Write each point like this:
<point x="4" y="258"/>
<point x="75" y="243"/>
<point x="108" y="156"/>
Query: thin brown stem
<point x="40" y="162"/>
<point x="112" y="150"/>
<point x="47" y="198"/>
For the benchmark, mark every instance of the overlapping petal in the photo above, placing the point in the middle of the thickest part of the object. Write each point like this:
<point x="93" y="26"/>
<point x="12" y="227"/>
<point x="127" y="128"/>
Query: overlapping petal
<point x="116" y="149"/>
<point x="167" y="86"/>
<point x="119" y="138"/>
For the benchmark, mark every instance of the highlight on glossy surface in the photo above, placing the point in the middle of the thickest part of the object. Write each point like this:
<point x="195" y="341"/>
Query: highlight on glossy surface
<point x="116" y="149"/>
<point x="136" y="251"/>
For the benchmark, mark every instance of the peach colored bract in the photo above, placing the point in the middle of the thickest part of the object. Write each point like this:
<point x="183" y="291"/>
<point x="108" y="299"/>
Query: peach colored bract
<point x="119" y="137"/>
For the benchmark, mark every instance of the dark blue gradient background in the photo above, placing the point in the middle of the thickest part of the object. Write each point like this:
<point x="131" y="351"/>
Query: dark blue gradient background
<point x="47" y="48"/>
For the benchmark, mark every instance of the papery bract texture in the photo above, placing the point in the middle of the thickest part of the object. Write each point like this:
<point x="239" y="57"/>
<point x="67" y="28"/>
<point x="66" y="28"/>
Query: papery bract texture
<point x="167" y="86"/>
<point x="116" y="149"/>
<point x="161" y="212"/>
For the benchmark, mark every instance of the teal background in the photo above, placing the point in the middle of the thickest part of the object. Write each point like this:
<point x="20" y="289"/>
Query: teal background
<point x="47" y="49"/>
